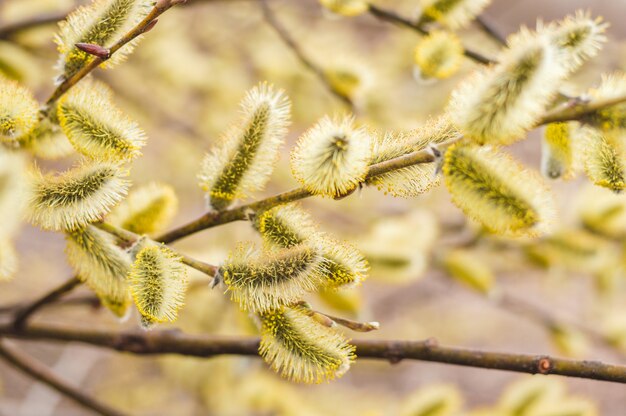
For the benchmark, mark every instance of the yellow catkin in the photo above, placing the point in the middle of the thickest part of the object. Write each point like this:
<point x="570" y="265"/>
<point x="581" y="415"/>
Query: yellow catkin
<point x="243" y="160"/>
<point x="95" y="127"/>
<point x="101" y="264"/>
<point x="76" y="197"/>
<point x="530" y="394"/>
<point x="18" y="111"/>
<point x="8" y="260"/>
<point x="301" y="349"/>
<point x="102" y="22"/>
<point x="147" y="209"/>
<point x="332" y="157"/>
<point x="452" y="13"/>
<point x="347" y="8"/>
<point x="557" y="156"/>
<point x="438" y="55"/>
<point x="466" y="268"/>
<point x="500" y="103"/>
<point x="611" y="118"/>
<point x="495" y="190"/>
<point x="158" y="282"/>
<point x="604" y="155"/>
<point x="13" y="191"/>
<point x="434" y="400"/>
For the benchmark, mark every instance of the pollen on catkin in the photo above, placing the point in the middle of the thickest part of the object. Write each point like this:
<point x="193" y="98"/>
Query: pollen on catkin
<point x="557" y="151"/>
<point x="451" y="13"/>
<point x="418" y="178"/>
<point x="8" y="260"/>
<point x="495" y="190"/>
<point x="95" y="127"/>
<point x="580" y="36"/>
<point x="611" y="118"/>
<point x="438" y="55"/>
<point x="158" y="282"/>
<point x="243" y="160"/>
<point x="287" y="226"/>
<point x="76" y="197"/>
<point x="347" y="8"/>
<point x="147" y="209"/>
<point x="301" y="349"/>
<point x="604" y="155"/>
<point x="263" y="280"/>
<point x="332" y="157"/>
<point x="18" y="111"/>
<point x="500" y="103"/>
<point x="101" y="264"/>
<point x="102" y="23"/>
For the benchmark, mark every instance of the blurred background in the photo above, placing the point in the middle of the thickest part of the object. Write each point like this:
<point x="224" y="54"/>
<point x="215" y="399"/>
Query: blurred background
<point x="562" y="295"/>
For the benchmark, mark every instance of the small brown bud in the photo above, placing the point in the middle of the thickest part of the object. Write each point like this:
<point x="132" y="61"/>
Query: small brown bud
<point x="95" y="50"/>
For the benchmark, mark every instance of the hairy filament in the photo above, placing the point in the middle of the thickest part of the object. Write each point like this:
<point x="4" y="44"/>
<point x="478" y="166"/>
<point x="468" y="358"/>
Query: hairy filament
<point x="301" y="349"/>
<point x="158" y="282"/>
<point x="76" y="197"/>
<point x="332" y="157"/>
<point x="495" y="190"/>
<point x="95" y="127"/>
<point x="245" y="157"/>
<point x="499" y="104"/>
<point x="147" y="209"/>
<point x="101" y="264"/>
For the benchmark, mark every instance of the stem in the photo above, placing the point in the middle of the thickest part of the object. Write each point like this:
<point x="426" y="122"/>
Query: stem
<point x="21" y="316"/>
<point x="280" y="30"/>
<point x="38" y="371"/>
<point x="143" y="26"/>
<point x="175" y="342"/>
<point x="490" y="31"/>
<point x="392" y="17"/>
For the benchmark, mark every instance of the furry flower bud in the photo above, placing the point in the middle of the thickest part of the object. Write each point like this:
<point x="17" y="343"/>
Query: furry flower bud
<point x="18" y="111"/>
<point x="580" y="36"/>
<point x="147" y="209"/>
<point x="8" y="260"/>
<point x="438" y="399"/>
<point x="76" y="197"/>
<point x="101" y="264"/>
<point x="611" y="118"/>
<point x="95" y="127"/>
<point x="438" y="55"/>
<point x="158" y="282"/>
<point x="260" y="281"/>
<point x="332" y="157"/>
<point x="604" y="155"/>
<point x="499" y="104"/>
<point x="347" y="8"/>
<point x="495" y="190"/>
<point x="102" y="23"/>
<point x="300" y="348"/>
<point x="47" y="141"/>
<point x="466" y="268"/>
<point x="13" y="191"/>
<point x="244" y="159"/>
<point x="557" y="154"/>
<point x="451" y="13"/>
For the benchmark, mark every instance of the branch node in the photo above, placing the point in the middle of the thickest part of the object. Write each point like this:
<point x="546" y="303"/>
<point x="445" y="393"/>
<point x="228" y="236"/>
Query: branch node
<point x="545" y="365"/>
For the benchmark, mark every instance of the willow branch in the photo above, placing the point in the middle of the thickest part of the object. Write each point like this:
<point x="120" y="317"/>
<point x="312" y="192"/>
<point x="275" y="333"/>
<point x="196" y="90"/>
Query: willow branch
<point x="215" y="218"/>
<point x="488" y="29"/>
<point x="10" y="29"/>
<point x="146" y="24"/>
<point x="288" y="40"/>
<point x="23" y="314"/>
<point x="175" y="342"/>
<point x="39" y="372"/>
<point x="392" y="17"/>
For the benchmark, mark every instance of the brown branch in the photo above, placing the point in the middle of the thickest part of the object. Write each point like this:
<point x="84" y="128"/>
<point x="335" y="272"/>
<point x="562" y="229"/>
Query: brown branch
<point x="286" y="37"/>
<point x="21" y="316"/>
<point x="10" y="29"/>
<point x="215" y="218"/>
<point x="175" y="342"/>
<point x="39" y="372"/>
<point x="146" y="24"/>
<point x="487" y="28"/>
<point x="392" y="17"/>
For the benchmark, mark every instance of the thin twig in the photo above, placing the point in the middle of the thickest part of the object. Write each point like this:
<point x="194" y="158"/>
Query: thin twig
<point x="490" y="30"/>
<point x="290" y="42"/>
<point x="22" y="315"/>
<point x="39" y="372"/>
<point x="392" y="17"/>
<point x="175" y="342"/>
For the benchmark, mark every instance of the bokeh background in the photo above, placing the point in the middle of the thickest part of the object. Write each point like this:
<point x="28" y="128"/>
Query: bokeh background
<point x="183" y="85"/>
